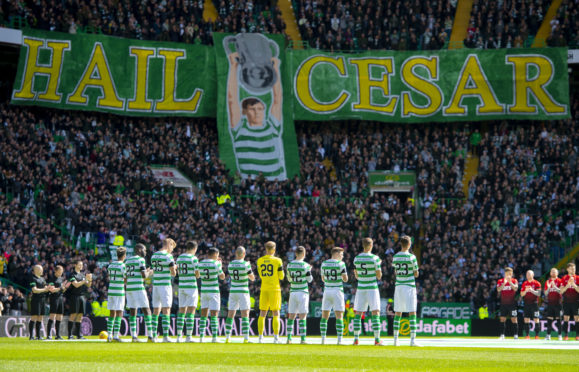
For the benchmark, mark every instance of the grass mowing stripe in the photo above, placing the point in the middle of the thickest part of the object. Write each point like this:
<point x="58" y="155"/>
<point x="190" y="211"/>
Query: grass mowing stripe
<point x="22" y="354"/>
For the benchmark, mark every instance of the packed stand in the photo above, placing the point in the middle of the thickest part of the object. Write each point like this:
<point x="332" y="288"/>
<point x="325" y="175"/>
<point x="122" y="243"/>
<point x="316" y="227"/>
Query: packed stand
<point x="565" y="26"/>
<point x="172" y="20"/>
<point x="366" y="25"/>
<point x="505" y="24"/>
<point x="524" y="199"/>
<point x="65" y="166"/>
<point x="248" y="16"/>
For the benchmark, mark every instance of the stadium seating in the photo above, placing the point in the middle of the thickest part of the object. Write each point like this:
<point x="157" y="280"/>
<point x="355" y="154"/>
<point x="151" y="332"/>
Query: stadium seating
<point x="65" y="176"/>
<point x="88" y="173"/>
<point x="361" y="25"/>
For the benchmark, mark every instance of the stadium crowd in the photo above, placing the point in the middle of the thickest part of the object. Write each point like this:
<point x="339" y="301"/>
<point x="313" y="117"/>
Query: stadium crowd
<point x="65" y="168"/>
<point x="173" y="20"/>
<point x="363" y="25"/>
<point x="330" y="25"/>
<point x="565" y="26"/>
<point x="63" y="172"/>
<point x="504" y="24"/>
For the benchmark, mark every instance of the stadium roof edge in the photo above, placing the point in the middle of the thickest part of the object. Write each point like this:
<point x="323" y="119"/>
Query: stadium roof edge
<point x="10" y="36"/>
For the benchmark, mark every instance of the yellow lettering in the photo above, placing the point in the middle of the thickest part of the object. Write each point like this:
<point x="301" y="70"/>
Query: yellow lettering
<point x="97" y="75"/>
<point x="366" y="84"/>
<point x="169" y="102"/>
<point x="303" y="89"/>
<point x="472" y="82"/>
<point x="422" y="86"/>
<point x="140" y="102"/>
<point x="525" y="86"/>
<point x="52" y="70"/>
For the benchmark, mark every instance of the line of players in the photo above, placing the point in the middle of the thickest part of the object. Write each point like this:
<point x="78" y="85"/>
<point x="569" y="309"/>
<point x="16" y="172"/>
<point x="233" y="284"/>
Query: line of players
<point x="562" y="297"/>
<point x="127" y="280"/>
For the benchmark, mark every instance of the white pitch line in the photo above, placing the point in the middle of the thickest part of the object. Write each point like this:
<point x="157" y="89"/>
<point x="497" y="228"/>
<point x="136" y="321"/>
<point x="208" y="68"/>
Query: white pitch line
<point x="463" y="342"/>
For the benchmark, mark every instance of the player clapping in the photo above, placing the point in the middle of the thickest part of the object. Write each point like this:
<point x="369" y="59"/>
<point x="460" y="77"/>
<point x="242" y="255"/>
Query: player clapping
<point x="334" y="274"/>
<point x="78" y="289"/>
<point x="60" y="285"/>
<point x="570" y="292"/>
<point x="530" y="292"/>
<point x="270" y="270"/>
<point x="507" y="288"/>
<point x="299" y="275"/>
<point x="39" y="290"/>
<point x="188" y="294"/>
<point x="210" y="271"/>
<point x="368" y="272"/>
<point x="163" y="269"/>
<point x="553" y="292"/>
<point x="136" y="294"/>
<point x="240" y="274"/>
<point x="116" y="294"/>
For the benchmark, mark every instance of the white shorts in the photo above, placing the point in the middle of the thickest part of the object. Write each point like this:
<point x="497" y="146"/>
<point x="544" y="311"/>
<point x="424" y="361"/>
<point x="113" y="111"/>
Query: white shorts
<point x="333" y="299"/>
<point x="299" y="303"/>
<point x="162" y="296"/>
<point x="188" y="297"/>
<point x="367" y="298"/>
<point x="137" y="299"/>
<point x="116" y="303"/>
<point x="405" y="299"/>
<point x="211" y="301"/>
<point x="239" y="301"/>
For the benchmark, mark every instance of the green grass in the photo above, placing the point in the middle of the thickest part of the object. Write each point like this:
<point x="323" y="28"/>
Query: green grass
<point x="23" y="355"/>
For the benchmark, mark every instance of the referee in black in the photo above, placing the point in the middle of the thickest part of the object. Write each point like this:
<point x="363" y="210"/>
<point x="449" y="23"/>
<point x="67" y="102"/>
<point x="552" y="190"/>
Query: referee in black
<point x="56" y="299"/>
<point x="39" y="290"/>
<point x="79" y="284"/>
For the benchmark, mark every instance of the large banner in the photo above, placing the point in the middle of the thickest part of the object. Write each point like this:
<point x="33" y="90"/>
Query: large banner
<point x="255" y="122"/>
<point x="427" y="86"/>
<point x="122" y="76"/>
<point x="256" y="89"/>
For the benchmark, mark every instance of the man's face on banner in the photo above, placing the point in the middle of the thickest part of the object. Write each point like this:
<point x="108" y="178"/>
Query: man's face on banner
<point x="255" y="114"/>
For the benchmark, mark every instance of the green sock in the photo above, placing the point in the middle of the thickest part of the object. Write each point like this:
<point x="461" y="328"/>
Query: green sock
<point x="149" y="325"/>
<point x="303" y="329"/>
<point x="245" y="327"/>
<point x="202" y="326"/>
<point x="190" y="320"/>
<point x="376" y="327"/>
<point x="110" y="325"/>
<point x="166" y="321"/>
<point x="357" y="325"/>
<point x="324" y="327"/>
<point x="412" y="326"/>
<point x="180" y="323"/>
<point x="228" y="326"/>
<point x="396" y="325"/>
<point x="214" y="326"/>
<point x="155" y="325"/>
<point x="340" y="327"/>
<point x="117" y="327"/>
<point x="290" y="328"/>
<point x="133" y="325"/>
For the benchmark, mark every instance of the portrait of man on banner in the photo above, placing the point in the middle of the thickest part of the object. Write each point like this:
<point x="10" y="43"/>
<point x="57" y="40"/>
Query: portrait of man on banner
<point x="255" y="121"/>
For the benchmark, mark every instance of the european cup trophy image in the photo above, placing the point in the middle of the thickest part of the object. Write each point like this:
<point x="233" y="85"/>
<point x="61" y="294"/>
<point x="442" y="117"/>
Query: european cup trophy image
<point x="255" y="121"/>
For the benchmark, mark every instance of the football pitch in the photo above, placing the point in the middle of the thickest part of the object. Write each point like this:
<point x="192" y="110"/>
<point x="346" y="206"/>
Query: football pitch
<point x="448" y="354"/>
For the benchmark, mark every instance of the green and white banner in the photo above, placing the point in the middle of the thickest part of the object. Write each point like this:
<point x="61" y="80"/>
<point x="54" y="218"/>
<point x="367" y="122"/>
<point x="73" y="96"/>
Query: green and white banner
<point x="255" y="122"/>
<point x="256" y="89"/>
<point x="122" y="76"/>
<point x="427" y="86"/>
